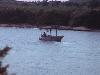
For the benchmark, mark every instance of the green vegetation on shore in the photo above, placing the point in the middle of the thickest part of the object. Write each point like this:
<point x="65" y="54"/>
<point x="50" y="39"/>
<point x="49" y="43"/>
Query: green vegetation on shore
<point x="50" y="13"/>
<point x="3" y="53"/>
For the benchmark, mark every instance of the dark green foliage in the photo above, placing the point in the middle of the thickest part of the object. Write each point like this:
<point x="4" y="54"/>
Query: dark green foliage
<point x="50" y="13"/>
<point x="53" y="17"/>
<point x="3" y="53"/>
<point x="16" y="16"/>
<point x="90" y="20"/>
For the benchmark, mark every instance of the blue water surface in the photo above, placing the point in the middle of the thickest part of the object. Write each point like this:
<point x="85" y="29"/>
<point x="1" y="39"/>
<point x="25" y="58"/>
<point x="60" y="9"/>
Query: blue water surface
<point x="77" y="54"/>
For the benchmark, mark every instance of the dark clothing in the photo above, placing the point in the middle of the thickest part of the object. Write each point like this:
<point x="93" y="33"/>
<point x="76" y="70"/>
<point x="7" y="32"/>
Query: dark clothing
<point x="44" y="34"/>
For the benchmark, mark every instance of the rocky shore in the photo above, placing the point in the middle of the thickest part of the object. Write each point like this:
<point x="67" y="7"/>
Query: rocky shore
<point x="68" y="28"/>
<point x="48" y="27"/>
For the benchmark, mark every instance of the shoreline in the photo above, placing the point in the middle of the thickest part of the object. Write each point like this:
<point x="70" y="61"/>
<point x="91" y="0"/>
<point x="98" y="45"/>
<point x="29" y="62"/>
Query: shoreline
<point x="49" y="27"/>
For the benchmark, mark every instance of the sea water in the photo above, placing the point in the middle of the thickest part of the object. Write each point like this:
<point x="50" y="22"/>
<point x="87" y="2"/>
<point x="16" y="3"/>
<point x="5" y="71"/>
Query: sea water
<point x="77" y="54"/>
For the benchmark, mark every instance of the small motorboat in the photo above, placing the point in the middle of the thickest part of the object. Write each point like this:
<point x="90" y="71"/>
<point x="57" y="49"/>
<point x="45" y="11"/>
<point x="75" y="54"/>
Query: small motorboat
<point x="45" y="37"/>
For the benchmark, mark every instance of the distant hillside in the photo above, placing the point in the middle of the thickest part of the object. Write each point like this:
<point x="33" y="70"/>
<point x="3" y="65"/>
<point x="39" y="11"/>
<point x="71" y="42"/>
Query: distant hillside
<point x="50" y="13"/>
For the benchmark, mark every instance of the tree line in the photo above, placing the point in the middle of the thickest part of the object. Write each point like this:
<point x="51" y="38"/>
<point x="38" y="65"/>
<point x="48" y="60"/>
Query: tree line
<point x="50" y="13"/>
